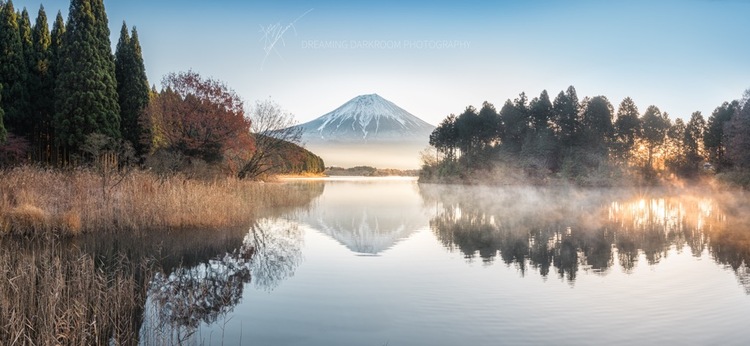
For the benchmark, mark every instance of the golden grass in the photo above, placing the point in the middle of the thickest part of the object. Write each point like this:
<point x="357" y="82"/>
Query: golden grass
<point x="55" y="296"/>
<point x="36" y="201"/>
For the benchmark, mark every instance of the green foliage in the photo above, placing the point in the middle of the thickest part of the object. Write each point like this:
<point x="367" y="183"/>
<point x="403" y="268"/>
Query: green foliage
<point x="737" y="135"/>
<point x="41" y="87"/>
<point x="541" y="113"/>
<point x="596" y="122"/>
<point x="539" y="142"/>
<point x="627" y="129"/>
<point x="566" y="109"/>
<point x="132" y="87"/>
<point x="13" y="70"/>
<point x="445" y="137"/>
<point x="86" y="89"/>
<point x="713" y="140"/>
<point x="290" y="158"/>
<point x="515" y="121"/>
<point x="655" y="125"/>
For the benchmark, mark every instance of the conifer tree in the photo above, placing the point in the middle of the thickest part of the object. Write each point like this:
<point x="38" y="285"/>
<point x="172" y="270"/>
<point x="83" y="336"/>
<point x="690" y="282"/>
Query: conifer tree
<point x="41" y="85"/>
<point x="56" y="41"/>
<point x="714" y="140"/>
<point x="13" y="69"/>
<point x="565" y="110"/>
<point x="541" y="112"/>
<point x="85" y="88"/>
<point x="132" y="86"/>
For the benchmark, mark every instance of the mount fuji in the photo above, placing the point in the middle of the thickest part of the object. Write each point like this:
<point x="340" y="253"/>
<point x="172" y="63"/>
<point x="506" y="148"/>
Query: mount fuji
<point x="368" y="130"/>
<point x="367" y="118"/>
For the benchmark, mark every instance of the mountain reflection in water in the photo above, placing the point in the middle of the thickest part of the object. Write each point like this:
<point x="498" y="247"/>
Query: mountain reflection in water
<point x="366" y="220"/>
<point x="568" y="230"/>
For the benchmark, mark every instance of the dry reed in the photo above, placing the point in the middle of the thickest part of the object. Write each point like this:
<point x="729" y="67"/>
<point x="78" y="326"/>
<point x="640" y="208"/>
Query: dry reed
<point x="36" y="201"/>
<point x="55" y="296"/>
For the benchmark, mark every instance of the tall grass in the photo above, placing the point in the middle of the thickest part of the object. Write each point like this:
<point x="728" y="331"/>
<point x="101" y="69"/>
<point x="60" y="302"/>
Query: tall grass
<point x="36" y="201"/>
<point x="56" y="296"/>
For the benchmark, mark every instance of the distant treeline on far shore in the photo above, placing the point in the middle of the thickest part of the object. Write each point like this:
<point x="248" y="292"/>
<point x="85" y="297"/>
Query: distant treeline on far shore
<point x="585" y="142"/>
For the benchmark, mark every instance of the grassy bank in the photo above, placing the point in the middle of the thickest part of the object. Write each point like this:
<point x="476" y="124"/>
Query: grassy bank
<point x="35" y="201"/>
<point x="54" y="296"/>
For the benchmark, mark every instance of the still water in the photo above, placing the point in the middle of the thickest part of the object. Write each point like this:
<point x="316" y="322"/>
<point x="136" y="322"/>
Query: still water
<point x="390" y="262"/>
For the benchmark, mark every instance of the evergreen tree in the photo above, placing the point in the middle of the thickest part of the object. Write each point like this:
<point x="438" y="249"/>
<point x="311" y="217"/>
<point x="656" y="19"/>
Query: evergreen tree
<point x="737" y="135"/>
<point x="693" y="141"/>
<point x="655" y="126"/>
<point x="565" y="109"/>
<point x="56" y="41"/>
<point x="85" y="89"/>
<point x="713" y="139"/>
<point x="627" y="128"/>
<point x="515" y="123"/>
<point x="132" y="86"/>
<point x="596" y="122"/>
<point x="445" y="137"/>
<point x="41" y="87"/>
<point x="540" y="110"/>
<point x="13" y="71"/>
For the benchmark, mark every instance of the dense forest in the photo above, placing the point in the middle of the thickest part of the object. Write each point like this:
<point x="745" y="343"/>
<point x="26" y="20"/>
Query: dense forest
<point x="586" y="142"/>
<point x="67" y="100"/>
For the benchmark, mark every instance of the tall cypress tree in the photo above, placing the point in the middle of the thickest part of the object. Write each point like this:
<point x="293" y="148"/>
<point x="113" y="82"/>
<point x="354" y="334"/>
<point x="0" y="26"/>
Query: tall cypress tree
<point x="56" y="41"/>
<point x="13" y="69"/>
<point x="132" y="86"/>
<point x="85" y="89"/>
<point x="41" y="87"/>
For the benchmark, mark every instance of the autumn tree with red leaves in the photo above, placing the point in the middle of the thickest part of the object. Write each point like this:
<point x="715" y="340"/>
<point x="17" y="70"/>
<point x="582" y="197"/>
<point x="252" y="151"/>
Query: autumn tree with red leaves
<point x="198" y="118"/>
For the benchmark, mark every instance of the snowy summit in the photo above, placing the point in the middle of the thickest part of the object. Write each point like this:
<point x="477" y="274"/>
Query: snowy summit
<point x="367" y="118"/>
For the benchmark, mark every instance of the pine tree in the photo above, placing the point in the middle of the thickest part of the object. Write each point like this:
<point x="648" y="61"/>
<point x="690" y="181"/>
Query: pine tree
<point x="655" y="126"/>
<point x="596" y="122"/>
<point x="566" y="109"/>
<point x="132" y="86"/>
<point x="13" y="69"/>
<point x="713" y="139"/>
<point x="85" y="89"/>
<point x="541" y="112"/>
<point x="627" y="130"/>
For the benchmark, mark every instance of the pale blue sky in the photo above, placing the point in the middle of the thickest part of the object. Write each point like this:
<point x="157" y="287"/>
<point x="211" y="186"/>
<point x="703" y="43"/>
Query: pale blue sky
<point x="683" y="56"/>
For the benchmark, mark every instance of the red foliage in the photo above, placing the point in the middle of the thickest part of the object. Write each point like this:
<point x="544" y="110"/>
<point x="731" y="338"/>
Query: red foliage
<point x="199" y="117"/>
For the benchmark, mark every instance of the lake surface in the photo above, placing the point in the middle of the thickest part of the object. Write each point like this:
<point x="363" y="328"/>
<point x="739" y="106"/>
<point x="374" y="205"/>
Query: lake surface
<point x="387" y="261"/>
<point x="390" y="262"/>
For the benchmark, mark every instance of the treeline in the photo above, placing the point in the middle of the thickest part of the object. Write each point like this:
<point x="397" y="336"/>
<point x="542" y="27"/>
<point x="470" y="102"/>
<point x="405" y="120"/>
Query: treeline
<point x="60" y="86"/>
<point x="66" y="100"/>
<point x="586" y="142"/>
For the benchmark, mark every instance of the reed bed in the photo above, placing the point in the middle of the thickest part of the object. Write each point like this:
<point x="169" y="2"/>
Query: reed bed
<point x="36" y="201"/>
<point x="55" y="296"/>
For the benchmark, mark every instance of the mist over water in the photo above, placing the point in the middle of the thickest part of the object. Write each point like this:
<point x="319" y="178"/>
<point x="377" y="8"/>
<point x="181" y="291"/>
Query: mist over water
<point x="390" y="261"/>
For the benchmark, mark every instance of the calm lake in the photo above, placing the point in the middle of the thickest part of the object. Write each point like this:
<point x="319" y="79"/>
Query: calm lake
<point x="387" y="261"/>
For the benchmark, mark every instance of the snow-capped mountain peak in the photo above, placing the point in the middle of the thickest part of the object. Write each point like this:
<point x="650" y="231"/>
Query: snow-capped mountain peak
<point x="366" y="118"/>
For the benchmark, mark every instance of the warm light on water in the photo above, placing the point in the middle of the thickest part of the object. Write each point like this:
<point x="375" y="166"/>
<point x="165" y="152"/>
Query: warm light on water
<point x="390" y="262"/>
<point x="386" y="261"/>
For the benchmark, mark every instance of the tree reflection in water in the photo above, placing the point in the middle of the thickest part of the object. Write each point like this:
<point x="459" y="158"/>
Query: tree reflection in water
<point x="184" y="298"/>
<point x="571" y="230"/>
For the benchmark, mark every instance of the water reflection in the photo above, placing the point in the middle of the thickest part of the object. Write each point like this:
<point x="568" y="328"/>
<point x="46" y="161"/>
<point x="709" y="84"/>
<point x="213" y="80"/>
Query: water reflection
<point x="367" y="216"/>
<point x="565" y="230"/>
<point x="182" y="299"/>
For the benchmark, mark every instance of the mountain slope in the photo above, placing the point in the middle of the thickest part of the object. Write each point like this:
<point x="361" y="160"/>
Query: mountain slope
<point x="367" y="118"/>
